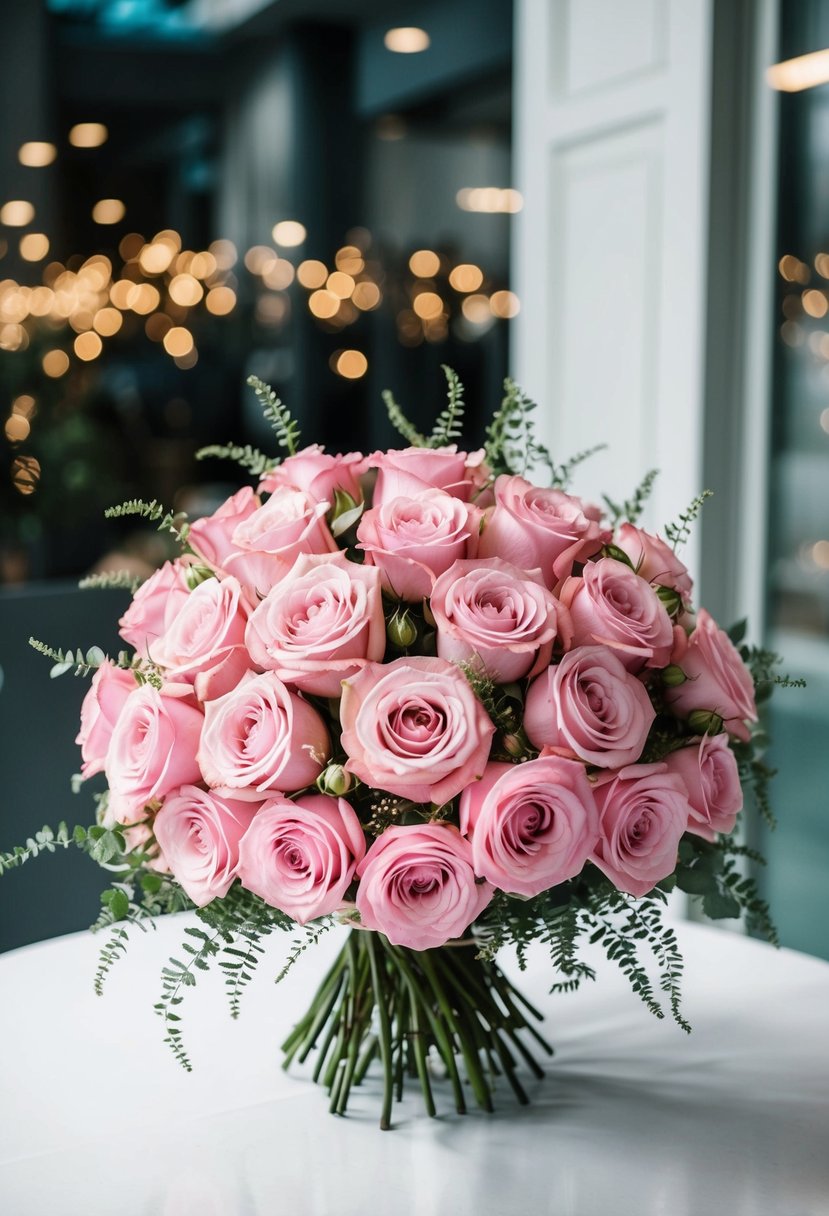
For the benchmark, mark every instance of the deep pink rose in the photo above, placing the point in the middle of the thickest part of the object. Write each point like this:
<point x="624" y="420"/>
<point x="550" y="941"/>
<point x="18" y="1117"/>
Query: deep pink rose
<point x="717" y="679"/>
<point x="301" y="856"/>
<point x="320" y="624"/>
<point x="268" y="541"/>
<point x="502" y="619"/>
<point x="414" y="727"/>
<point x="643" y="812"/>
<point x="612" y="605"/>
<point x="318" y="473"/>
<point x="654" y="560"/>
<point x="532" y="825"/>
<point x="413" y="540"/>
<point x="590" y="706"/>
<point x="212" y="537"/>
<point x="709" y="770"/>
<point x="152" y="750"/>
<point x="417" y="886"/>
<point x="198" y="833"/>
<point x="262" y="736"/>
<point x="100" y="709"/>
<point x="540" y="529"/>
<point x="409" y="472"/>
<point x="205" y="643"/>
<point x="154" y="607"/>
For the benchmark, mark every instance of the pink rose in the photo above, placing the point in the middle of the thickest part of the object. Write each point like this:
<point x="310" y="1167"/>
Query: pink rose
<point x="414" y="727"/>
<point x="198" y="833"/>
<point x="301" y="856"/>
<point x="152" y="750"/>
<point x="654" y="560"/>
<point x="417" y="886"/>
<point x="212" y="537"/>
<point x="591" y="707"/>
<point x="532" y="825"/>
<point x="413" y="540"/>
<point x="262" y="736"/>
<point x="612" y="605"/>
<point x="321" y="624"/>
<point x="502" y="618"/>
<point x="540" y="529"/>
<point x="717" y="680"/>
<point x="100" y="709"/>
<point x="319" y="474"/>
<point x="205" y="643"/>
<point x="154" y="607"/>
<point x="410" y="472"/>
<point x="709" y="770"/>
<point x="643" y="812"/>
<point x="271" y="538"/>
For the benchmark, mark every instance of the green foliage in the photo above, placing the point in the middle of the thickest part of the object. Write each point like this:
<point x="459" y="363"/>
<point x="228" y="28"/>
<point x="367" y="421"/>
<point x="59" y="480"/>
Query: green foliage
<point x="677" y="533"/>
<point x="709" y="871"/>
<point x="144" y="670"/>
<point x="168" y="521"/>
<point x="448" y="426"/>
<point x="121" y="579"/>
<point x="246" y="457"/>
<point x="510" y="445"/>
<point x="401" y="423"/>
<point x="563" y="473"/>
<point x="46" y="840"/>
<point x="631" y="509"/>
<point x="279" y="416"/>
<point x="312" y="935"/>
<point x="178" y="976"/>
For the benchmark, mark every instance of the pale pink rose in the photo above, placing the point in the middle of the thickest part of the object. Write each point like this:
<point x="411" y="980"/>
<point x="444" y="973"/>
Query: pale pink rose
<point x="709" y="770"/>
<point x="414" y="540"/>
<point x="532" y="825"/>
<point x="268" y="542"/>
<point x="152" y="750"/>
<point x="611" y="605"/>
<point x="301" y="856"/>
<point x="263" y="737"/>
<point x="591" y="707"/>
<point x="318" y="473"/>
<point x="654" y="560"/>
<point x="540" y="529"/>
<point x="643" y="812"/>
<point x="409" y="472"/>
<point x="320" y="624"/>
<point x="154" y="607"/>
<point x="717" y="679"/>
<point x="100" y="710"/>
<point x="414" y="727"/>
<point x="500" y="618"/>
<point x="198" y="833"/>
<point x="205" y="644"/>
<point x="417" y="886"/>
<point x="211" y="537"/>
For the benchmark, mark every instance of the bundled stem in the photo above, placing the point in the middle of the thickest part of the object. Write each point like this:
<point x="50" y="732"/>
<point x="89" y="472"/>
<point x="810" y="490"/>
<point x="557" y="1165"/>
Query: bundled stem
<point x="440" y="1011"/>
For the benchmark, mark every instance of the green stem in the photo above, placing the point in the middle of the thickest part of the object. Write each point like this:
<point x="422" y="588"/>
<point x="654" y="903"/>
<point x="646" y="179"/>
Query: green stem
<point x="385" y="1034"/>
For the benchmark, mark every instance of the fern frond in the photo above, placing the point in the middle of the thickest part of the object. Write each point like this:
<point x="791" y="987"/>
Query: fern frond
<point x="401" y="423"/>
<point x="177" y="976"/>
<point x="631" y="509"/>
<point x="246" y="457"/>
<point x="154" y="512"/>
<point x="278" y="415"/>
<point x="677" y="533"/>
<point x="511" y="446"/>
<point x="313" y="933"/>
<point x="122" y="580"/>
<point x="449" y="423"/>
<point x="563" y="473"/>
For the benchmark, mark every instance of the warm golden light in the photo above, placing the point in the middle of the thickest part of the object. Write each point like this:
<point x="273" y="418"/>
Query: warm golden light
<point x="427" y="305"/>
<point x="424" y="263"/>
<point x="55" y="363"/>
<point x="476" y="309"/>
<point x="17" y="428"/>
<point x="155" y="257"/>
<point x="489" y="199"/>
<point x="815" y="303"/>
<point x="25" y="474"/>
<point x="88" y="135"/>
<point x="504" y="304"/>
<point x="258" y="257"/>
<point x="157" y="325"/>
<point x="804" y="72"/>
<point x="312" y="274"/>
<point x="130" y="246"/>
<point x="185" y="290"/>
<point x="792" y="269"/>
<point x="17" y="213"/>
<point x="178" y="341"/>
<point x="13" y="337"/>
<point x="34" y="246"/>
<point x="142" y="298"/>
<point x="24" y="405"/>
<point x="185" y="362"/>
<point x="791" y="333"/>
<point x="350" y="364"/>
<point x="406" y="40"/>
<point x="323" y="304"/>
<point x="366" y="296"/>
<point x="107" y="321"/>
<point x="203" y="265"/>
<point x="36" y="154"/>
<point x="220" y="301"/>
<point x="88" y="346"/>
<point x="349" y="259"/>
<point x="466" y="277"/>
<point x="289" y="233"/>
<point x="119" y="293"/>
<point x="278" y="273"/>
<point x="340" y="285"/>
<point x="820" y="554"/>
<point x="224" y="252"/>
<point x="108" y="211"/>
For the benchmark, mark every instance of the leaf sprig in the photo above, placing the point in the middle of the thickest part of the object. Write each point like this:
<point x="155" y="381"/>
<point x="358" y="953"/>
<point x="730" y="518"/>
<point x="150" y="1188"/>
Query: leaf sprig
<point x="448" y="426"/>
<point x="677" y="533"/>
<point x="401" y="423"/>
<point x="247" y="457"/>
<point x="174" y="522"/>
<point x="278" y="415"/>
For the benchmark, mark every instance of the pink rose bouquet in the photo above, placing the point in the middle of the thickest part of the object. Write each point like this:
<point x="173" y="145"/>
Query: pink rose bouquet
<point x="421" y="695"/>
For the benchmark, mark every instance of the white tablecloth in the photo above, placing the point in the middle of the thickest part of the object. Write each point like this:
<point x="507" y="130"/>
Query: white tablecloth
<point x="634" y="1117"/>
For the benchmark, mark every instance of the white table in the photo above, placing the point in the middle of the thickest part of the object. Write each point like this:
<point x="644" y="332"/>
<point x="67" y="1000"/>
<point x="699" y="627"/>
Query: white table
<point x="97" y="1119"/>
